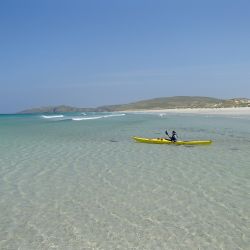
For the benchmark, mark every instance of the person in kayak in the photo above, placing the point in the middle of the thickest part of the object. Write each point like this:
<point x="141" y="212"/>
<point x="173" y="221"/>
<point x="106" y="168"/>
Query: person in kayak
<point x="173" y="137"/>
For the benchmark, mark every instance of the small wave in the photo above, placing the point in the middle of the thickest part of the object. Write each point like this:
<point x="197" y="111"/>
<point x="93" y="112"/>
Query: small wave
<point x="86" y="118"/>
<point x="113" y="115"/>
<point x="96" y="117"/>
<point x="52" y="116"/>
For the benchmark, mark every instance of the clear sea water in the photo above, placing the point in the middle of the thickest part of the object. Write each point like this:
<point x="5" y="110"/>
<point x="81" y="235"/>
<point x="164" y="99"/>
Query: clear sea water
<point x="79" y="181"/>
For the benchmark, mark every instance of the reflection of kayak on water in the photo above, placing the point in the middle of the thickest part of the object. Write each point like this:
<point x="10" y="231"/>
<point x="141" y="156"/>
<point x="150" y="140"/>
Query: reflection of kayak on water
<point x="166" y="141"/>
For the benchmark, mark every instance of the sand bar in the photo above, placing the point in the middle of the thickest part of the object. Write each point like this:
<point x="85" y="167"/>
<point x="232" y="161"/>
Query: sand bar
<point x="204" y="111"/>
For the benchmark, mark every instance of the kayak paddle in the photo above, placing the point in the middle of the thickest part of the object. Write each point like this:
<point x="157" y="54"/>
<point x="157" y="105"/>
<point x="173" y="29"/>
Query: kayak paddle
<point x="166" y="132"/>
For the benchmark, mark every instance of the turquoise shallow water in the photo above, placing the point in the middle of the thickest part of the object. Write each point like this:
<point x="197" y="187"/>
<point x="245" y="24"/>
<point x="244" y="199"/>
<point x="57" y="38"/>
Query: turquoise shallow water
<point x="79" y="181"/>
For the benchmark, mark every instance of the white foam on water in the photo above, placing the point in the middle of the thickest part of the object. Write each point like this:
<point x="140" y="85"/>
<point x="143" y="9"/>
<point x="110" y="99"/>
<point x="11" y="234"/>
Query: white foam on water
<point x="86" y="118"/>
<point x="52" y="116"/>
<point x="113" y="115"/>
<point x="96" y="117"/>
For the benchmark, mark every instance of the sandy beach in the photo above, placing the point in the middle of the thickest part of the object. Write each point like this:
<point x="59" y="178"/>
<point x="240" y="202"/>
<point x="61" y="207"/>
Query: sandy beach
<point x="205" y="111"/>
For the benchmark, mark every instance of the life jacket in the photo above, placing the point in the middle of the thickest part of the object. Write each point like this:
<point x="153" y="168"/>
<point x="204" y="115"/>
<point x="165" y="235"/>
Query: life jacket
<point x="174" y="137"/>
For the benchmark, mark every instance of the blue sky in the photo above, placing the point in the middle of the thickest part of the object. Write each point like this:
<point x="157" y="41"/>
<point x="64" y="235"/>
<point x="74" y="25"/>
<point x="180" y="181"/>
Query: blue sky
<point x="93" y="53"/>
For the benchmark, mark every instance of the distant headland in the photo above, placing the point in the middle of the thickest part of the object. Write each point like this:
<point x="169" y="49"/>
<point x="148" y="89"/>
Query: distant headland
<point x="175" y="102"/>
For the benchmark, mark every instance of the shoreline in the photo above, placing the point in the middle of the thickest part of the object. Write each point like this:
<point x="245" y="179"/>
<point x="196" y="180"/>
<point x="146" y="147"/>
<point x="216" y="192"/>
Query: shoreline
<point x="199" y="111"/>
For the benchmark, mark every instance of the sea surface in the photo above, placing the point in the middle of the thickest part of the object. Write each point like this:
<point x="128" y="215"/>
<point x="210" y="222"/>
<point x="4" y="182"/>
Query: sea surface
<point x="78" y="181"/>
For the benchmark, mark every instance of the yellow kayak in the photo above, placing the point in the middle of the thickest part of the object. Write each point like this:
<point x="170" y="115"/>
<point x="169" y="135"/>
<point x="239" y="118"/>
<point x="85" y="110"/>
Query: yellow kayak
<point x="166" y="141"/>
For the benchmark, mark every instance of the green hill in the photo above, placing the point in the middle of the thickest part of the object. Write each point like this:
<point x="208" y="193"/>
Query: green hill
<point x="156" y="103"/>
<point x="56" y="109"/>
<point x="170" y="103"/>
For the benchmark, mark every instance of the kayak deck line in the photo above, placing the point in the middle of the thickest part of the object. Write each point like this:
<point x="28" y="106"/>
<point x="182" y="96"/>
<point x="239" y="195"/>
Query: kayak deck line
<point x="167" y="141"/>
